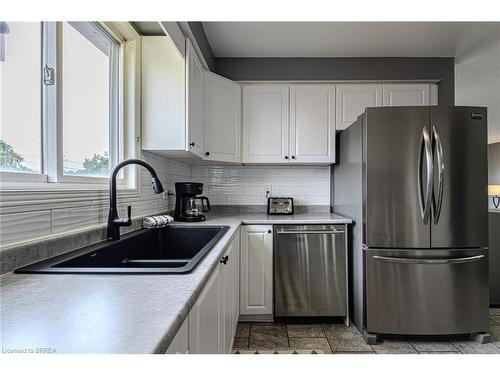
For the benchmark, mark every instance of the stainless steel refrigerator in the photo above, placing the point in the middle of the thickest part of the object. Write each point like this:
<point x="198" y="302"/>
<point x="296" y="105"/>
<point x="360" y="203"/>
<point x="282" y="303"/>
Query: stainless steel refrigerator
<point x="414" y="179"/>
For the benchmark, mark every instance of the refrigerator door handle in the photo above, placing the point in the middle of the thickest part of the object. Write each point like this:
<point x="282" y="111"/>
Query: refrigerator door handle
<point x="440" y="162"/>
<point x="426" y="260"/>
<point x="425" y="201"/>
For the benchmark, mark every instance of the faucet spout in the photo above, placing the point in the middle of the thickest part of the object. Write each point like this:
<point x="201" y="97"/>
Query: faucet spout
<point x="114" y="222"/>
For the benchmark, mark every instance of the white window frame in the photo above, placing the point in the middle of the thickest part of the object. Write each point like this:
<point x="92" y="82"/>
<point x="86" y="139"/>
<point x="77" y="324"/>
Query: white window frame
<point x="51" y="183"/>
<point x="26" y="177"/>
<point x="115" y="119"/>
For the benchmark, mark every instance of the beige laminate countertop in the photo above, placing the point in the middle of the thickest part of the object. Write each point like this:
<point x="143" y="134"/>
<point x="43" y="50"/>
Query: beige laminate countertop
<point x="116" y="313"/>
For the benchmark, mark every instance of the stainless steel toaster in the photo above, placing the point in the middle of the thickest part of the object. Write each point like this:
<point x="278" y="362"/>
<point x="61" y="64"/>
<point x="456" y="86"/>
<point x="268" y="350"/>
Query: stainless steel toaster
<point x="280" y="206"/>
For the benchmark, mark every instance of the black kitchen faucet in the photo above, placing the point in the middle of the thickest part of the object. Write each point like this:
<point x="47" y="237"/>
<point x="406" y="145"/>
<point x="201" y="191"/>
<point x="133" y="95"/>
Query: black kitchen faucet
<point x="114" y="222"/>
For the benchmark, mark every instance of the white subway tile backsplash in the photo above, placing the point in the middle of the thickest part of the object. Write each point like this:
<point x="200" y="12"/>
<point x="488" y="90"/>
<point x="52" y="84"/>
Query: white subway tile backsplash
<point x="225" y="190"/>
<point x="298" y="172"/>
<point x="247" y="185"/>
<point x="316" y="181"/>
<point x="322" y="190"/>
<point x="199" y="172"/>
<point x="23" y="226"/>
<point x="322" y="172"/>
<point x="295" y="191"/>
<point x="59" y="218"/>
<point x="257" y="190"/>
<point x="139" y="207"/>
<point x="260" y="172"/>
<point x="217" y="199"/>
<point x="246" y="200"/>
<point x="223" y="185"/>
<point x="281" y="181"/>
<point x="74" y="218"/>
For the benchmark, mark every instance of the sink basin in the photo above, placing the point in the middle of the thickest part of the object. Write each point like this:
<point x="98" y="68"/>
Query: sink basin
<point x="173" y="249"/>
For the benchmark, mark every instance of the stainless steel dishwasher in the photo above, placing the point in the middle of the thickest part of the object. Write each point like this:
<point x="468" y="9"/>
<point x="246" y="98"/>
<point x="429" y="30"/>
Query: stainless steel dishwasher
<point x="310" y="271"/>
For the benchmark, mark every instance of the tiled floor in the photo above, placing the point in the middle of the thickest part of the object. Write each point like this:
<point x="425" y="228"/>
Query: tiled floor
<point x="337" y="338"/>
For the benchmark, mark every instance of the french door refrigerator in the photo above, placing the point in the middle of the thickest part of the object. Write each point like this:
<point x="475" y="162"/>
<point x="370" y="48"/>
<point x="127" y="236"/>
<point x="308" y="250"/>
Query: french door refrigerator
<point x="419" y="243"/>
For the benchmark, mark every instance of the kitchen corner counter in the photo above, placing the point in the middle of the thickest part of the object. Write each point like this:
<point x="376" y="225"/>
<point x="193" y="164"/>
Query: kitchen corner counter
<point x="262" y="218"/>
<point x="115" y="313"/>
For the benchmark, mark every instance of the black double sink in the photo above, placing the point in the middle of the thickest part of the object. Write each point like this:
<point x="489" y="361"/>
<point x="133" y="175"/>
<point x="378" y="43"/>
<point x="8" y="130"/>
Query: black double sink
<point x="173" y="249"/>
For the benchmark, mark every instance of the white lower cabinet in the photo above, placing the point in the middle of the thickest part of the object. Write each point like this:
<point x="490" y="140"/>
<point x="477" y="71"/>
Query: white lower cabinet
<point x="205" y="319"/>
<point x="213" y="318"/>
<point x="230" y="288"/>
<point x="256" y="271"/>
<point x="180" y="343"/>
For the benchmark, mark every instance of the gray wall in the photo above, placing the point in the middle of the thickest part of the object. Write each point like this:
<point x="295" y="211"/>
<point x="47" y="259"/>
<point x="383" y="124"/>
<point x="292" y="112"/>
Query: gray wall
<point x="335" y="68"/>
<point x="201" y="38"/>
<point x="343" y="68"/>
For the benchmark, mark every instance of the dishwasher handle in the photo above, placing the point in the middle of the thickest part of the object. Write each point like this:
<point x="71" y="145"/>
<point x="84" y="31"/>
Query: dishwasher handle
<point x="333" y="231"/>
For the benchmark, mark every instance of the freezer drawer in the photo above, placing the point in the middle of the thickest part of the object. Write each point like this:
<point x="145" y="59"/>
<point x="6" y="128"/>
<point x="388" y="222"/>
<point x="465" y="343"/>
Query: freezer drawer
<point x="310" y="270"/>
<point x="426" y="292"/>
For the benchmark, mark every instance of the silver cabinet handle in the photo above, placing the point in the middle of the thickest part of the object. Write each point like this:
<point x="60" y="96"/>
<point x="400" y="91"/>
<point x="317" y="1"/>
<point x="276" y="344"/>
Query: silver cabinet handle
<point x="440" y="161"/>
<point x="310" y="232"/>
<point x="426" y="260"/>
<point x="425" y="201"/>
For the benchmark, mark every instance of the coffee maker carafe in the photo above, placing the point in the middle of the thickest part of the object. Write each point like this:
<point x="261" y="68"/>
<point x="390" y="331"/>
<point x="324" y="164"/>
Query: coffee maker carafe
<point x="188" y="205"/>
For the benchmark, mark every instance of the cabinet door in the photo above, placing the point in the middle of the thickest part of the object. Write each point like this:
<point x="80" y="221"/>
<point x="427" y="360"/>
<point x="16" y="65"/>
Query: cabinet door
<point x="205" y="319"/>
<point x="351" y="101"/>
<point x="180" y="343"/>
<point x="222" y="119"/>
<point x="256" y="283"/>
<point x="265" y="124"/>
<point x="230" y="293"/>
<point x="312" y="123"/>
<point x="406" y="94"/>
<point x="163" y="95"/>
<point x="194" y="95"/>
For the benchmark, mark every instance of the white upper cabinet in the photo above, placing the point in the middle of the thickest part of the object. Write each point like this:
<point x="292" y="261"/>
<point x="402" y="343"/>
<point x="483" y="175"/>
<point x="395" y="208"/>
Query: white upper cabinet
<point x="265" y="123"/>
<point x="194" y="96"/>
<point x="407" y="94"/>
<point x="312" y="124"/>
<point x="172" y="99"/>
<point x="163" y="95"/>
<point x="222" y="119"/>
<point x="352" y="99"/>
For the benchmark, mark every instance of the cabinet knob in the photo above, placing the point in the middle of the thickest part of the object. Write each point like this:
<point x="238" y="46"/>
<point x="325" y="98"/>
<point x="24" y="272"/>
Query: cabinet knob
<point x="269" y="231"/>
<point x="286" y="157"/>
<point x="207" y="153"/>
<point x="192" y="144"/>
<point x="224" y="259"/>
<point x="293" y="156"/>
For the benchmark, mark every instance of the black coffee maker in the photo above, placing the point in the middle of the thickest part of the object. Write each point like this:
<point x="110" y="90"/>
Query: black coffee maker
<point x="189" y="207"/>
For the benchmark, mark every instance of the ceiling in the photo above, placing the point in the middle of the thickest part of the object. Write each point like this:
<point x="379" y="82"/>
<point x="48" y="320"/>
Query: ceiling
<point x="345" y="39"/>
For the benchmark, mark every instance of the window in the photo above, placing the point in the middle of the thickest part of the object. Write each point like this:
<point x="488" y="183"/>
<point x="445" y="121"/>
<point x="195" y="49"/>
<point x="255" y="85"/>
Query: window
<point x="59" y="103"/>
<point x="88" y="98"/>
<point x="21" y="97"/>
